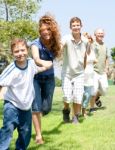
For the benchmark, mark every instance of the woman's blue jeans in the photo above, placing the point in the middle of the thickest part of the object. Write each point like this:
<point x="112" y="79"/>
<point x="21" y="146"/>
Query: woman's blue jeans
<point x="15" y="118"/>
<point x="44" y="89"/>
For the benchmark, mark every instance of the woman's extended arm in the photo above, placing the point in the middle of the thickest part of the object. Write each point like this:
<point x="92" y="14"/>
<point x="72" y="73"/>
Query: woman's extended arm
<point x="35" y="54"/>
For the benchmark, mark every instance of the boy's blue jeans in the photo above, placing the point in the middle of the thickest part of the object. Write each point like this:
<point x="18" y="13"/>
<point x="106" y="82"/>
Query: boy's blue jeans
<point x="15" y="118"/>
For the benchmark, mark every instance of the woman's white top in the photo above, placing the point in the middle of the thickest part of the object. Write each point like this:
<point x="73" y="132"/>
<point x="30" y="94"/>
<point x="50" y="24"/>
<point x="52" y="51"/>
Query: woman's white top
<point x="89" y="70"/>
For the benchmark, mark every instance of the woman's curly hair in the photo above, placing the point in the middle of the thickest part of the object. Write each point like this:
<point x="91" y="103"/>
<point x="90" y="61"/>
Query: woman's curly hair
<point x="56" y="37"/>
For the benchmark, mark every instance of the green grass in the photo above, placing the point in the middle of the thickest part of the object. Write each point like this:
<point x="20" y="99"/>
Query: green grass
<point x="97" y="132"/>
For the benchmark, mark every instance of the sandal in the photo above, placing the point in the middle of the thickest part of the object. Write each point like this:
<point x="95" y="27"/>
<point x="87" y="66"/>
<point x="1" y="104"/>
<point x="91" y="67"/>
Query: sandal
<point x="98" y="102"/>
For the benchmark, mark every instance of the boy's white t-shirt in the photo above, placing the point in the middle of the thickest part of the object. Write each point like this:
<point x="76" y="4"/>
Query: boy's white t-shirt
<point x="89" y="70"/>
<point x="73" y="56"/>
<point x="19" y="83"/>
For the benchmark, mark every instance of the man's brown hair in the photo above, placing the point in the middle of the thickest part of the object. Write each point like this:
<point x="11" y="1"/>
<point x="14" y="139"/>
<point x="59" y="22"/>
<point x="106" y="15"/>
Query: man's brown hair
<point x="75" y="19"/>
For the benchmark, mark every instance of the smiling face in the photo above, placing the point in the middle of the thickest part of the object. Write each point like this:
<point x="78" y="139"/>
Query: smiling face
<point x="99" y="35"/>
<point x="20" y="53"/>
<point x="75" y="27"/>
<point x="45" y="32"/>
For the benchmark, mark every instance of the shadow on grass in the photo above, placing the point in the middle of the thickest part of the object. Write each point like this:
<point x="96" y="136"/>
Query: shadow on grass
<point x="35" y="147"/>
<point x="57" y="108"/>
<point x="55" y="130"/>
<point x="59" y="147"/>
<point x="96" y="109"/>
<point x="81" y="119"/>
<point x="101" y="108"/>
<point x="46" y="134"/>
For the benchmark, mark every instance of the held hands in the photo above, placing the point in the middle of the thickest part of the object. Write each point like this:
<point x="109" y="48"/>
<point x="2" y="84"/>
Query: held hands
<point x="47" y="64"/>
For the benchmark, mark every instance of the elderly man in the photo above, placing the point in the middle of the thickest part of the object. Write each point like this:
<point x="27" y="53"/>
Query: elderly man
<point x="100" y="68"/>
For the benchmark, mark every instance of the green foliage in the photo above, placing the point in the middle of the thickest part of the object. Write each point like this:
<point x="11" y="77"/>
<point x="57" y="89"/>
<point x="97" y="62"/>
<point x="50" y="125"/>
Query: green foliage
<point x="57" y="82"/>
<point x="16" y="21"/>
<point x="5" y="57"/>
<point x="19" y="22"/>
<point x="15" y="9"/>
<point x="113" y="53"/>
<point x="20" y="28"/>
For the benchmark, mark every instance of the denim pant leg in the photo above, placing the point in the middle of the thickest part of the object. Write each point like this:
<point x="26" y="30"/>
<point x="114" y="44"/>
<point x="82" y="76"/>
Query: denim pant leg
<point x="44" y="89"/>
<point x="47" y="92"/>
<point x="9" y="124"/>
<point x="37" y="102"/>
<point x="87" y="96"/>
<point x="24" y="130"/>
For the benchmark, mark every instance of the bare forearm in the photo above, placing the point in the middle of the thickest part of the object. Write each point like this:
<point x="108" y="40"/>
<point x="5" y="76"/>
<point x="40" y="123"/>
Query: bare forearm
<point x="40" y="62"/>
<point x="41" y="69"/>
<point x="43" y="63"/>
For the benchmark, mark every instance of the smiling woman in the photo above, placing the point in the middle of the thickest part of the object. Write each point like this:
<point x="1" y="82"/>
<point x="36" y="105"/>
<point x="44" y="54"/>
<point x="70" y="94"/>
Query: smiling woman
<point x="44" y="50"/>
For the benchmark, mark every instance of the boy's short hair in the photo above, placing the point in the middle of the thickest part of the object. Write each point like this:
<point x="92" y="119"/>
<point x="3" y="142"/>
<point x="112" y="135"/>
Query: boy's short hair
<point x="75" y="19"/>
<point x="16" y="41"/>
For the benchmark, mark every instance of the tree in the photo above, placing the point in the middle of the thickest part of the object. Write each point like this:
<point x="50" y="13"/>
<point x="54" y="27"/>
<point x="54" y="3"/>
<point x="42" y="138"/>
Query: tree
<point x="4" y="59"/>
<point x="20" y="28"/>
<point x="113" y="65"/>
<point x="113" y="53"/>
<point x="12" y="10"/>
<point x="16" y="20"/>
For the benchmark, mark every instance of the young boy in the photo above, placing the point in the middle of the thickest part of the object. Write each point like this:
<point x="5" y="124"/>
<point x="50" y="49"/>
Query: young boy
<point x="74" y="46"/>
<point x="18" y="78"/>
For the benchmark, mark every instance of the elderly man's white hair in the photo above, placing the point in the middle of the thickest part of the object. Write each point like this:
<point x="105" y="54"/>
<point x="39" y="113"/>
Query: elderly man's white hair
<point x="98" y="30"/>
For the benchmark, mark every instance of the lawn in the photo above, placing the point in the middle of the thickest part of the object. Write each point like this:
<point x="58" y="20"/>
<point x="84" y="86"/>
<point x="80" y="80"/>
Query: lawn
<point x="96" y="132"/>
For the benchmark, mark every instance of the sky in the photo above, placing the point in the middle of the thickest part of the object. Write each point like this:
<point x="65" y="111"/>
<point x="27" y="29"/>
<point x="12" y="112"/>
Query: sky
<point x="93" y="13"/>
